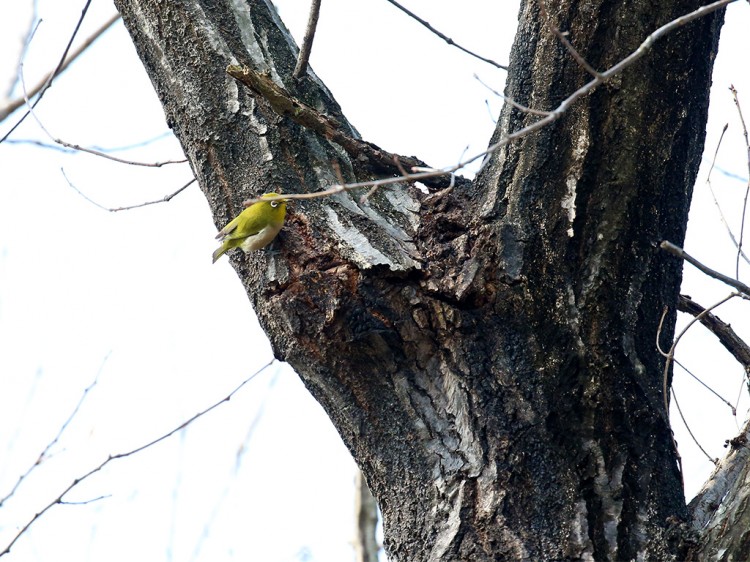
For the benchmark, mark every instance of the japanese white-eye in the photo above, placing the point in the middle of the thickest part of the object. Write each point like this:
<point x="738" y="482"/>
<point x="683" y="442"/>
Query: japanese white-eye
<point x="254" y="228"/>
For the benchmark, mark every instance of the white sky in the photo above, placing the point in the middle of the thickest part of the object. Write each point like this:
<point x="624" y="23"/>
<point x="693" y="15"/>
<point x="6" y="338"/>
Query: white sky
<point x="133" y="296"/>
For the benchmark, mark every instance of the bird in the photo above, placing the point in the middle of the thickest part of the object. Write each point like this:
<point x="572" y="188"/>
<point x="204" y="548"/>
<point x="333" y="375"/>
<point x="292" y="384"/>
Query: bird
<point x="254" y="228"/>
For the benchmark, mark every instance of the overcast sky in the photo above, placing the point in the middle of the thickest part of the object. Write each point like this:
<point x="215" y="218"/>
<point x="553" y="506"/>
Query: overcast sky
<point x="132" y="300"/>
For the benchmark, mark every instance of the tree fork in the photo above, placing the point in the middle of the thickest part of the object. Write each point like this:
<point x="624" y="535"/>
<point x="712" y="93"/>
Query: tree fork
<point x="487" y="354"/>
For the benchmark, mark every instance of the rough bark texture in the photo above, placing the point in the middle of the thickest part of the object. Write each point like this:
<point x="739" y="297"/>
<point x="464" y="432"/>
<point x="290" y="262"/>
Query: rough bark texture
<point x="721" y="511"/>
<point x="487" y="354"/>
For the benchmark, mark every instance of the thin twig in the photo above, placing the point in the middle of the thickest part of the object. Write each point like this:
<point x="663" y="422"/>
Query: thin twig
<point x="374" y="188"/>
<point x="515" y="104"/>
<point x="747" y="189"/>
<point x="209" y="519"/>
<point x="304" y="53"/>
<point x="45" y="452"/>
<point x="697" y="379"/>
<point x="682" y="254"/>
<point x="165" y="199"/>
<point x="14" y="80"/>
<point x="664" y="313"/>
<point x="695" y="440"/>
<point x="86" y="502"/>
<point x="80" y="148"/>
<point x="445" y="37"/>
<point x="333" y="190"/>
<point x="489" y="112"/>
<point x="118" y="456"/>
<point x="665" y="389"/>
<point x="105" y="149"/>
<point x="75" y="146"/>
<point x="669" y="356"/>
<point x="716" y="200"/>
<point x="42" y="144"/>
<point x="131" y="146"/>
<point x="11" y="106"/>
<point x="53" y="74"/>
<point x="739" y="397"/>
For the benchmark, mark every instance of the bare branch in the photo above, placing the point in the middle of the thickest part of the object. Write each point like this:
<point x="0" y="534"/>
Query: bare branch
<point x="512" y="102"/>
<point x="690" y="432"/>
<point x="724" y="332"/>
<point x="136" y="144"/>
<point x="57" y="70"/>
<point x="59" y="499"/>
<point x="715" y="199"/>
<point x="445" y="37"/>
<point x="209" y="519"/>
<point x="14" y="80"/>
<point x="670" y="354"/>
<point x="107" y="150"/>
<point x="682" y="254"/>
<point x="374" y="188"/>
<point x="11" y="106"/>
<point x="747" y="189"/>
<point x="86" y="502"/>
<point x="375" y="184"/>
<point x="286" y="105"/>
<point x="697" y="379"/>
<point x="304" y="52"/>
<point x="45" y="452"/>
<point x="42" y="144"/>
<point x="165" y="199"/>
<point x="79" y="148"/>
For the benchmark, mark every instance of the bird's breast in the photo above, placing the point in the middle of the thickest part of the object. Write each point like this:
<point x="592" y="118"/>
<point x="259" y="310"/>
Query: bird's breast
<point x="262" y="239"/>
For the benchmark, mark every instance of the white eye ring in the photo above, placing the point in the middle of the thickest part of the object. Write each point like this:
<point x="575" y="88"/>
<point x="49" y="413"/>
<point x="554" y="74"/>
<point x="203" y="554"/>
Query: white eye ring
<point x="274" y="204"/>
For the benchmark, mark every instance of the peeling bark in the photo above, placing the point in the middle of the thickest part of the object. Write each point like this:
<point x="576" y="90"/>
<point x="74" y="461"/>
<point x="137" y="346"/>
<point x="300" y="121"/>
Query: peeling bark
<point x="487" y="352"/>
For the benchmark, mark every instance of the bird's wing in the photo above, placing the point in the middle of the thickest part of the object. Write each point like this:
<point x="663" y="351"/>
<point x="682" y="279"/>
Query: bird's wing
<point x="224" y="232"/>
<point x="251" y="225"/>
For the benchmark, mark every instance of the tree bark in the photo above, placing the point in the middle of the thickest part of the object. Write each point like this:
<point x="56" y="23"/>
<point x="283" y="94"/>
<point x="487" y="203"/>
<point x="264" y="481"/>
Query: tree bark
<point x="366" y="522"/>
<point x="720" y="512"/>
<point x="487" y="353"/>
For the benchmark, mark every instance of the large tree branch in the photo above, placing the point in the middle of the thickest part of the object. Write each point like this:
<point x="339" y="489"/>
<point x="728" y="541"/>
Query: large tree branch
<point x="284" y="104"/>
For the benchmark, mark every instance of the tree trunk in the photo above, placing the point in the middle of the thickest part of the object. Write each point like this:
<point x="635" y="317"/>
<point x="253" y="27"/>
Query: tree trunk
<point x="487" y="353"/>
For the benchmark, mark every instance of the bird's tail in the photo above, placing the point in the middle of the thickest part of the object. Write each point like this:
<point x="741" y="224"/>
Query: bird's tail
<point x="219" y="252"/>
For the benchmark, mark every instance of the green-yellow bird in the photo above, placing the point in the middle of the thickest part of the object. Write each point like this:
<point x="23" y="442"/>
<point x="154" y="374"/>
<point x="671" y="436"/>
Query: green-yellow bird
<point x="254" y="228"/>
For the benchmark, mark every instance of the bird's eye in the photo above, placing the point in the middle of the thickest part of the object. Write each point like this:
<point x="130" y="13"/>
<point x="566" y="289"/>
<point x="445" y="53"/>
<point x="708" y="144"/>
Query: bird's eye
<point x="274" y="204"/>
